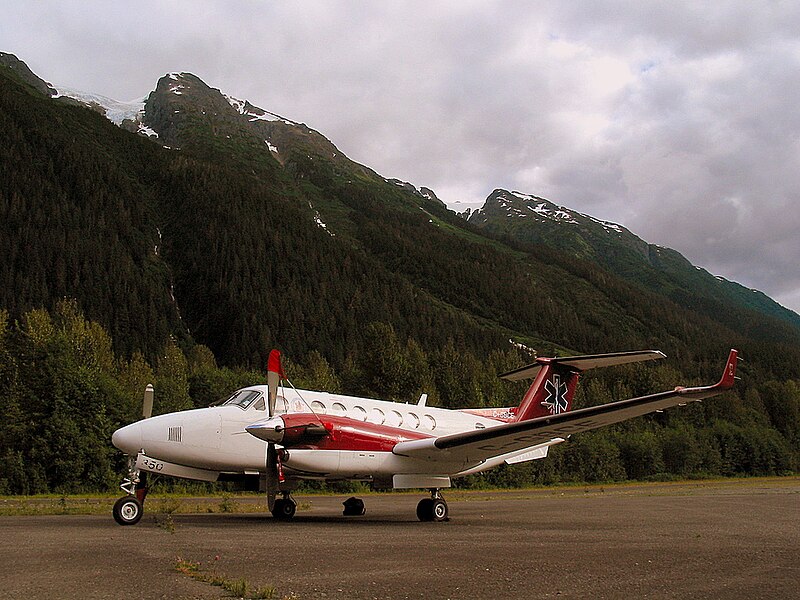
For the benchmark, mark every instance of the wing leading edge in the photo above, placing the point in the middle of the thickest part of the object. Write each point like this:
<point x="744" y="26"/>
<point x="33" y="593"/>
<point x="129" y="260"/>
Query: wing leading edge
<point x="482" y="444"/>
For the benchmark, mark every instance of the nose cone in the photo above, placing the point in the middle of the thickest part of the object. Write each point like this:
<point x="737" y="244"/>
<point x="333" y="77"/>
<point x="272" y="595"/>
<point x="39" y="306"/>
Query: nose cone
<point x="270" y="430"/>
<point x="128" y="438"/>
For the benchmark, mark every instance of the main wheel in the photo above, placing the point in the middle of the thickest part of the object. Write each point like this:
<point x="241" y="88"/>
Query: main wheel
<point x="128" y="510"/>
<point x="354" y="507"/>
<point x="284" y="509"/>
<point x="425" y="509"/>
<point x="439" y="510"/>
<point x="432" y="509"/>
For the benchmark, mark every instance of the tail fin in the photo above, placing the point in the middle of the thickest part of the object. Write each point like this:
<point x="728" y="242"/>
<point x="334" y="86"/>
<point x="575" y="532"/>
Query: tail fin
<point x="555" y="380"/>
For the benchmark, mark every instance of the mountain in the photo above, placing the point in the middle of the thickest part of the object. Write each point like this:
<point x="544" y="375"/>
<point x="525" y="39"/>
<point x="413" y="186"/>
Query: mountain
<point x="226" y="224"/>
<point x="23" y="73"/>
<point x="530" y="219"/>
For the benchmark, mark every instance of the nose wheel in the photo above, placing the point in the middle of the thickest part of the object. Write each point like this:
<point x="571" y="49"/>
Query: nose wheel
<point x="433" y="508"/>
<point x="128" y="510"/>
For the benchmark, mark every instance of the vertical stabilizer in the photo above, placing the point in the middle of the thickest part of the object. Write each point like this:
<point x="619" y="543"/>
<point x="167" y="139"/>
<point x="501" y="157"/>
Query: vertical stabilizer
<point x="555" y="380"/>
<point x="550" y="393"/>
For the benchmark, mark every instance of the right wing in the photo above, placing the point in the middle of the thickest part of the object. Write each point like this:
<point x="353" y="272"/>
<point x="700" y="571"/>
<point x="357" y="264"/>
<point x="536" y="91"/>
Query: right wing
<point x="475" y="447"/>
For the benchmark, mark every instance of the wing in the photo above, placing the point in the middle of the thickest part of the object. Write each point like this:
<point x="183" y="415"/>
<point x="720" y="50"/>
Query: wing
<point x="474" y="447"/>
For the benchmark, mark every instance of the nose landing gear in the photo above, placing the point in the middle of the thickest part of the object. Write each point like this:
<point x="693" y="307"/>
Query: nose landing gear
<point x="129" y="509"/>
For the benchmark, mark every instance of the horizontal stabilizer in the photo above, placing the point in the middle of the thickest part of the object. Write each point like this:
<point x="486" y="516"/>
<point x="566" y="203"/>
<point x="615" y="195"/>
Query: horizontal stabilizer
<point x="583" y="363"/>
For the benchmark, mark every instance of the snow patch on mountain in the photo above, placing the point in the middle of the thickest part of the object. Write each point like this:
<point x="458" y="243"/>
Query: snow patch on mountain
<point x="539" y="208"/>
<point x="115" y="111"/>
<point x="244" y="108"/>
<point x="148" y="131"/>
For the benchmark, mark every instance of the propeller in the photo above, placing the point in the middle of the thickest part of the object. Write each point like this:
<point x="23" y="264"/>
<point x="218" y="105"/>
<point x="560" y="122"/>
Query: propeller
<point x="274" y="470"/>
<point x="147" y="402"/>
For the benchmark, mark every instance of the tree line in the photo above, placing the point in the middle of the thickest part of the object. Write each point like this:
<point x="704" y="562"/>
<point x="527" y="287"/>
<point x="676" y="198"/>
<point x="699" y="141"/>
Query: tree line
<point x="65" y="390"/>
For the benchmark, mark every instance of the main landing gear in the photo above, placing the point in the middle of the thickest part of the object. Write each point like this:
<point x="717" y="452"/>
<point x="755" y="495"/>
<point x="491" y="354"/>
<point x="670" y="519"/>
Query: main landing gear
<point x="433" y="508"/>
<point x="354" y="507"/>
<point x="284" y="508"/>
<point x="129" y="509"/>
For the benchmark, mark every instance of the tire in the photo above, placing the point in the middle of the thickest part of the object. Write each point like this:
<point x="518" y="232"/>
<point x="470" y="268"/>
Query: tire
<point x="439" y="510"/>
<point x="284" y="509"/>
<point x="128" y="510"/>
<point x="425" y="509"/>
<point x="354" y="507"/>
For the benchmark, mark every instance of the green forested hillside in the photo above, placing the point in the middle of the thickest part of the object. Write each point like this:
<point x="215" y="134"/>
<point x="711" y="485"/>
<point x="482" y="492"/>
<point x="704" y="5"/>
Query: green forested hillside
<point x="123" y="260"/>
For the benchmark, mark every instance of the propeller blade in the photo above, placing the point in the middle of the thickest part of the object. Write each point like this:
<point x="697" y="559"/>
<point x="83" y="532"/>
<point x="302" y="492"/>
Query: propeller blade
<point x="274" y="376"/>
<point x="272" y="475"/>
<point x="147" y="403"/>
<point x="274" y="469"/>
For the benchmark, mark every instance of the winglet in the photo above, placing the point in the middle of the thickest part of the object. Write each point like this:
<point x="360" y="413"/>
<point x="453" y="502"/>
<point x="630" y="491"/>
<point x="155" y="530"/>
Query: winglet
<point x="729" y="375"/>
<point x="725" y="383"/>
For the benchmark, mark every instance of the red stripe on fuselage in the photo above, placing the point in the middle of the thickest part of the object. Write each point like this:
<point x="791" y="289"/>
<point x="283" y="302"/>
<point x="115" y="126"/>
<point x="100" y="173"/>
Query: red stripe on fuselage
<point x="345" y="433"/>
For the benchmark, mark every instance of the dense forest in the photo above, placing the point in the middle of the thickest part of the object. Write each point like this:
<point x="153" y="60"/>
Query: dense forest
<point x="124" y="262"/>
<point x="65" y="391"/>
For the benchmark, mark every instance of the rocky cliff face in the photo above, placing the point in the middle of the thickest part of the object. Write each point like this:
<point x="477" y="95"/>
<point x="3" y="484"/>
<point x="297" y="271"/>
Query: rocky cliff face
<point x="25" y="74"/>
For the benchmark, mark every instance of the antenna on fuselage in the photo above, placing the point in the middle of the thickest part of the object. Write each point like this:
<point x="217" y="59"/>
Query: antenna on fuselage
<point x="422" y="400"/>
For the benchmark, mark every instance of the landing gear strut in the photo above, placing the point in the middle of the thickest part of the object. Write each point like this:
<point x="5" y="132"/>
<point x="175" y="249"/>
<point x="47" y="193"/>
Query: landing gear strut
<point x="433" y="508"/>
<point x="129" y="509"/>
<point x="284" y="508"/>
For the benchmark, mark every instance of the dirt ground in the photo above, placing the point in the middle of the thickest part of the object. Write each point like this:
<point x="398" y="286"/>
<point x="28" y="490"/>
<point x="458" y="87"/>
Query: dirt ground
<point x="731" y="539"/>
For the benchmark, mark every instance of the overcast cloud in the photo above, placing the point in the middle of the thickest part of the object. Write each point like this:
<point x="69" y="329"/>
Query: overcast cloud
<point x="679" y="120"/>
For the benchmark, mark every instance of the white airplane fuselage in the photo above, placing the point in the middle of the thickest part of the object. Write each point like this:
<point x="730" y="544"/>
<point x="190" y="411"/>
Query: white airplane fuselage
<point x="202" y="443"/>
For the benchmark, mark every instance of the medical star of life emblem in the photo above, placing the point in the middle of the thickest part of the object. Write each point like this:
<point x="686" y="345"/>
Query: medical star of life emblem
<point x="556" y="401"/>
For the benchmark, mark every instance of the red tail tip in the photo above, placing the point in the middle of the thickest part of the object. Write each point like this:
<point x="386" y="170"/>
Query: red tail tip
<point x="274" y="363"/>
<point x="729" y="375"/>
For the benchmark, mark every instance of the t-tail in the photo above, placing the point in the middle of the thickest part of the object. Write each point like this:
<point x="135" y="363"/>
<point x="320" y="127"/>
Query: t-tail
<point x="555" y="380"/>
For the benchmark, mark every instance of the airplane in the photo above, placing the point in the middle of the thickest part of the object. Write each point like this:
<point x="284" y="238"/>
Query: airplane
<point x="277" y="436"/>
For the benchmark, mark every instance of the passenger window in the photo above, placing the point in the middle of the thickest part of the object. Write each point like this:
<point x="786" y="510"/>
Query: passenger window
<point x="377" y="416"/>
<point x="318" y="407"/>
<point x="429" y="422"/>
<point x="413" y="420"/>
<point x="480" y="426"/>
<point x="338" y="409"/>
<point x="394" y="418"/>
<point x="359" y="413"/>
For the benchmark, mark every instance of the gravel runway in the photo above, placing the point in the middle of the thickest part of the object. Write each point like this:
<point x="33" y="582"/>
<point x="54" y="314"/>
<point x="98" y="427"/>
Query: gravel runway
<point x="722" y="539"/>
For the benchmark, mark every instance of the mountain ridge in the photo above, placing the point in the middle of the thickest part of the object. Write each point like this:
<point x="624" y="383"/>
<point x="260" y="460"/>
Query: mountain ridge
<point x="425" y="244"/>
<point x="531" y="219"/>
<point x="279" y="132"/>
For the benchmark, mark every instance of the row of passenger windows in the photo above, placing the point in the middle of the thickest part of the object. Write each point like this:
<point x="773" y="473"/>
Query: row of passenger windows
<point x="392" y="418"/>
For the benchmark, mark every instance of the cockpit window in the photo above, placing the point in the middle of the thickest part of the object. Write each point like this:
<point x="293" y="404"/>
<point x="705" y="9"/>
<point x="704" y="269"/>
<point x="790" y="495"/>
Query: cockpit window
<point x="243" y="398"/>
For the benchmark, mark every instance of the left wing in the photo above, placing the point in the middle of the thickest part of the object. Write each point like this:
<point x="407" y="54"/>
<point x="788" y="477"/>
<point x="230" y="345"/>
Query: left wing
<point x="477" y="446"/>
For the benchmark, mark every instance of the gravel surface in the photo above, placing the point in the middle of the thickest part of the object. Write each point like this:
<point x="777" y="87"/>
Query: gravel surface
<point x="730" y="539"/>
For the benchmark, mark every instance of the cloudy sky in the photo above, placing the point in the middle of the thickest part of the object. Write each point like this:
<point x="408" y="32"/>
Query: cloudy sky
<point x="679" y="120"/>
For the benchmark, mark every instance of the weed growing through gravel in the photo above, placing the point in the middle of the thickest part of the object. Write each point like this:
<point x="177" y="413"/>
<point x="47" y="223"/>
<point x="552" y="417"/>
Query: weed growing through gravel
<point x="237" y="587"/>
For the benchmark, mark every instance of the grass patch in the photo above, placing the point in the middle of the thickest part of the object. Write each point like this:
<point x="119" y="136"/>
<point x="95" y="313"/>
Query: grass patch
<point x="239" y="588"/>
<point x="231" y="503"/>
